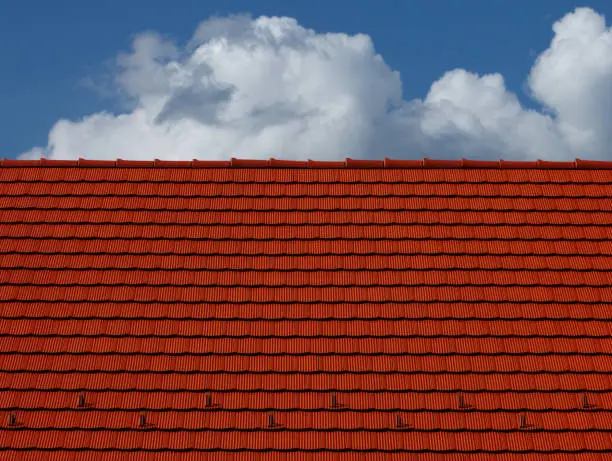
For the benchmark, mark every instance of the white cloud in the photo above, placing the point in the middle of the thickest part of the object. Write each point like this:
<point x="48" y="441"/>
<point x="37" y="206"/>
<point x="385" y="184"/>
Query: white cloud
<point x="270" y="88"/>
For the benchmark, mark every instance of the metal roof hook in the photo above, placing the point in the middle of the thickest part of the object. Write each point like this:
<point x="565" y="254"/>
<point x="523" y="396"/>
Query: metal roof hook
<point x="585" y="401"/>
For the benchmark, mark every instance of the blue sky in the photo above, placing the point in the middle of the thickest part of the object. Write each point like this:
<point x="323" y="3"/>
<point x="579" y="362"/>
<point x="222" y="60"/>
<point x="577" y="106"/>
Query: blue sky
<point x="51" y="49"/>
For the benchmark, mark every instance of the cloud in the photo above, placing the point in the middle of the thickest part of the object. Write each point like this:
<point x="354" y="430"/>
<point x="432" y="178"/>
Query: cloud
<point x="267" y="87"/>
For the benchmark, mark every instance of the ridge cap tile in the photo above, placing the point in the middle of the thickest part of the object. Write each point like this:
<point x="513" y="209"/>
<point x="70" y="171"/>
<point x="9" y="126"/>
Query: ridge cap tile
<point x="348" y="163"/>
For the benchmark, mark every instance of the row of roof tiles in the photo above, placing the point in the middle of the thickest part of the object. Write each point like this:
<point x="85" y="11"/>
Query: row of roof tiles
<point x="277" y="163"/>
<point x="69" y="454"/>
<point x="312" y="204"/>
<point x="330" y="420"/>
<point x="389" y="441"/>
<point x="414" y="402"/>
<point x="304" y="312"/>
<point x="238" y="386"/>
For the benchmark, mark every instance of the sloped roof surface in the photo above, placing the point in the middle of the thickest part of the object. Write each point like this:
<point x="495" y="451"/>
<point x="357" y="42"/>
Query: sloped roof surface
<point x="265" y="307"/>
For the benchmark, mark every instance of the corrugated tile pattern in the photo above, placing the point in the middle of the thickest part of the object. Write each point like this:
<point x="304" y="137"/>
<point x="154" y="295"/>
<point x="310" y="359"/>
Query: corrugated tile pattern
<point x="363" y="309"/>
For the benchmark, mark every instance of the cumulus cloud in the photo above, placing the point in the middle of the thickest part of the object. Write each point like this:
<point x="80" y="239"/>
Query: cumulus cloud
<point x="267" y="87"/>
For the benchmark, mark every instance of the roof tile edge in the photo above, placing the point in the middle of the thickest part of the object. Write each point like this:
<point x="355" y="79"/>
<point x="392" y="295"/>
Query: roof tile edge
<point x="348" y="163"/>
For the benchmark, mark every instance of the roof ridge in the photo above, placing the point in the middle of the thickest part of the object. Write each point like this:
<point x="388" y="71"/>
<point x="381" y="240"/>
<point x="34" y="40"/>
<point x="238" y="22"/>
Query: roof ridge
<point x="348" y="163"/>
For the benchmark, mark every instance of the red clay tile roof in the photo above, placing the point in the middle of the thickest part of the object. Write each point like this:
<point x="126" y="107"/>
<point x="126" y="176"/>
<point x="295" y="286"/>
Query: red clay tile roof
<point x="392" y="309"/>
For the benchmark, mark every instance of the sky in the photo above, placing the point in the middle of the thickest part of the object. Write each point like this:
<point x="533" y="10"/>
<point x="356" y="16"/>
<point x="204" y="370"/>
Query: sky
<point x="320" y="79"/>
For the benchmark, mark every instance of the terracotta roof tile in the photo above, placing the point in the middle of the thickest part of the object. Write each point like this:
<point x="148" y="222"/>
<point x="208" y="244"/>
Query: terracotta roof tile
<point x="318" y="308"/>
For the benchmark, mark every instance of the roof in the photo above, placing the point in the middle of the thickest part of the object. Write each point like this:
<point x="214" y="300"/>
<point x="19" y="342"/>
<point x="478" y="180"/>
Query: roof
<point x="404" y="307"/>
